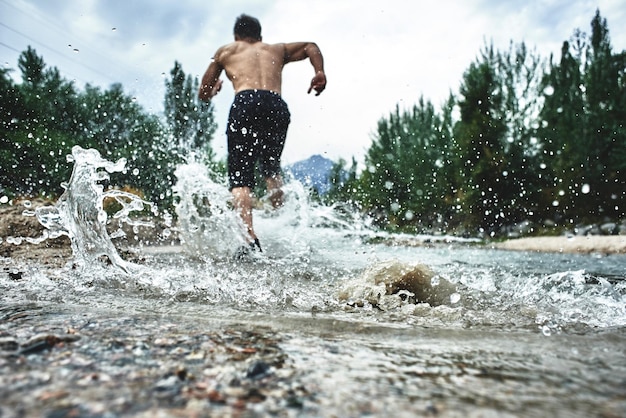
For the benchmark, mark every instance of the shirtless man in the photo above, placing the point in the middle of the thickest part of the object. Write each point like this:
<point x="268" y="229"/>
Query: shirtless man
<point x="258" y="119"/>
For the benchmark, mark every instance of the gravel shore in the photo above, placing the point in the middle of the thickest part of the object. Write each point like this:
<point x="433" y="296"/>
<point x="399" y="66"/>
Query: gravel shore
<point x="56" y="252"/>
<point x="601" y="244"/>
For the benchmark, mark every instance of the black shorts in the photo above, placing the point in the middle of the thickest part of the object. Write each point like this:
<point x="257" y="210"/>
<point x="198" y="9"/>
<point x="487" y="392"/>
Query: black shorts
<point x="257" y="129"/>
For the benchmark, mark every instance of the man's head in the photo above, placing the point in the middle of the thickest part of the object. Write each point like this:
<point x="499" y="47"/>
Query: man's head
<point x="247" y="27"/>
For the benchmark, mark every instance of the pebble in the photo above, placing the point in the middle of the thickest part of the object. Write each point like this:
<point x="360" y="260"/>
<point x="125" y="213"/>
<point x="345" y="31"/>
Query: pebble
<point x="8" y="344"/>
<point x="63" y="365"/>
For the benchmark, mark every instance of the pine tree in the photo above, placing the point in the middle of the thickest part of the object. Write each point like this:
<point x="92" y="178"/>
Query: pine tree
<point x="495" y="138"/>
<point x="583" y="134"/>
<point x="603" y="167"/>
<point x="400" y="183"/>
<point x="190" y="121"/>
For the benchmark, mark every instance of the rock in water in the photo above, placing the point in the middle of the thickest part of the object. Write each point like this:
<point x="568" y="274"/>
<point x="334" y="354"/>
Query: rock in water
<point x="416" y="281"/>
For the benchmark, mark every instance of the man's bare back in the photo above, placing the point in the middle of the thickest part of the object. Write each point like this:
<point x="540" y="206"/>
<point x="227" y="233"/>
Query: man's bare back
<point x="252" y="64"/>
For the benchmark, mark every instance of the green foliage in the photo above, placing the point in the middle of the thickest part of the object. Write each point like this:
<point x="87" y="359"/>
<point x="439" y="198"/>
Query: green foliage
<point x="520" y="142"/>
<point x="495" y="138"/>
<point x="344" y="184"/>
<point x="39" y="120"/>
<point x="523" y="140"/>
<point x="605" y="135"/>
<point x="583" y="129"/>
<point x="117" y="126"/>
<point x="45" y="115"/>
<point x="401" y="182"/>
<point x="190" y="121"/>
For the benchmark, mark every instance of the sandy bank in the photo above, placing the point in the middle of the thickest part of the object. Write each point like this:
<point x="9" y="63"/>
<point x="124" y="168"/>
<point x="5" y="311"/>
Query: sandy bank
<point x="613" y="244"/>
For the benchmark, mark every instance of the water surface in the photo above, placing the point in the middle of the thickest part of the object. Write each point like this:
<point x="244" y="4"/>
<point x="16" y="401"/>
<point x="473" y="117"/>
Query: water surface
<point x="495" y="333"/>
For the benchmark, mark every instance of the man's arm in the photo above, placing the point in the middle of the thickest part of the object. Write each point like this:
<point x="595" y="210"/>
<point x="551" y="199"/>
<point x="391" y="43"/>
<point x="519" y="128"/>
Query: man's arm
<point x="298" y="51"/>
<point x="211" y="83"/>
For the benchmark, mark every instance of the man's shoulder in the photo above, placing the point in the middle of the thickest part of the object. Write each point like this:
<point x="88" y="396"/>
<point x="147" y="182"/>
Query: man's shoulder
<point x="241" y="47"/>
<point x="227" y="47"/>
<point x="224" y="51"/>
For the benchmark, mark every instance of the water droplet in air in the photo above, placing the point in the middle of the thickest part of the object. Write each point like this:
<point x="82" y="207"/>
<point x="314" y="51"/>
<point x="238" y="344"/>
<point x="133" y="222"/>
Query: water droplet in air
<point x="585" y="189"/>
<point x="455" y="298"/>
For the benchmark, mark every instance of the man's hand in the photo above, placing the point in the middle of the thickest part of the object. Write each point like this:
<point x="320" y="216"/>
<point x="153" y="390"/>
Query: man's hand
<point x="217" y="87"/>
<point x="318" y="83"/>
<point x="207" y="92"/>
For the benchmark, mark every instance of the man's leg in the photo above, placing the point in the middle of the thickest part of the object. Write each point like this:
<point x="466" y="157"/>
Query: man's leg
<point x="274" y="190"/>
<point x="242" y="200"/>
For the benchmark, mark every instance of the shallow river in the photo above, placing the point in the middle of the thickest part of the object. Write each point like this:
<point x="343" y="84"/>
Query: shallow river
<point x="330" y="321"/>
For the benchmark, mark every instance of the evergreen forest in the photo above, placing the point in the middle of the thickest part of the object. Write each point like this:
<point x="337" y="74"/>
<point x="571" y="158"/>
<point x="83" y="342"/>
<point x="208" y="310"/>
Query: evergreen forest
<point x="526" y="139"/>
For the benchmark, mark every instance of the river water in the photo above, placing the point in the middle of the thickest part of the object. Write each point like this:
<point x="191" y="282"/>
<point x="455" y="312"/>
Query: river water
<point x="363" y="323"/>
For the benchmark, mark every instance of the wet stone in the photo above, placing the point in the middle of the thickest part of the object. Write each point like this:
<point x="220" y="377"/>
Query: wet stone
<point x="258" y="370"/>
<point x="15" y="274"/>
<point x="42" y="342"/>
<point x="133" y="366"/>
<point x="8" y="344"/>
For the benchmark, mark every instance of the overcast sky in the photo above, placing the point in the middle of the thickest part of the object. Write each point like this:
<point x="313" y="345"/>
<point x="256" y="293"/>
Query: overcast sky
<point x="377" y="53"/>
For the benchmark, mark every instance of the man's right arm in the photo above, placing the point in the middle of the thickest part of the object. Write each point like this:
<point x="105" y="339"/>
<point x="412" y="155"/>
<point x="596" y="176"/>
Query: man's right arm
<point x="298" y="51"/>
<point x="211" y="83"/>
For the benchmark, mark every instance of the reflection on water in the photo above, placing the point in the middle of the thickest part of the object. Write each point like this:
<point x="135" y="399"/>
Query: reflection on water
<point x="447" y="326"/>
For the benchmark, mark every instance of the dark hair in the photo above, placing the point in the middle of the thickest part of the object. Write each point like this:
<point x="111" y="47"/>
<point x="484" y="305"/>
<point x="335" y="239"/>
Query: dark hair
<point x="247" y="27"/>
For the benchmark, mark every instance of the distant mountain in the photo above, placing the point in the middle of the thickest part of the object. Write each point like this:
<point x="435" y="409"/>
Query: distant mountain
<point x="313" y="172"/>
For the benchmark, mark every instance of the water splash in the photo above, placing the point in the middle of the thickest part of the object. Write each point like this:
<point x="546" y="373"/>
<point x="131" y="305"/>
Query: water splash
<point x="323" y="259"/>
<point x="207" y="225"/>
<point x="211" y="230"/>
<point x="79" y="212"/>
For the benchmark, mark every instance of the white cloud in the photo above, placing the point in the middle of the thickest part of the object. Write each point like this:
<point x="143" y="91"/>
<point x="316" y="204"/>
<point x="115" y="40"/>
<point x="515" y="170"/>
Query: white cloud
<point x="378" y="54"/>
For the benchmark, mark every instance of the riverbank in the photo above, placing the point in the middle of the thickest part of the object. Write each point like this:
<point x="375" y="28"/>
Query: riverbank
<point x="16" y="227"/>
<point x="601" y="244"/>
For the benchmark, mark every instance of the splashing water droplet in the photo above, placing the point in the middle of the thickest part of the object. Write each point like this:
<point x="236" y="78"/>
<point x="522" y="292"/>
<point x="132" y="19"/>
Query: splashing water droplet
<point x="79" y="212"/>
